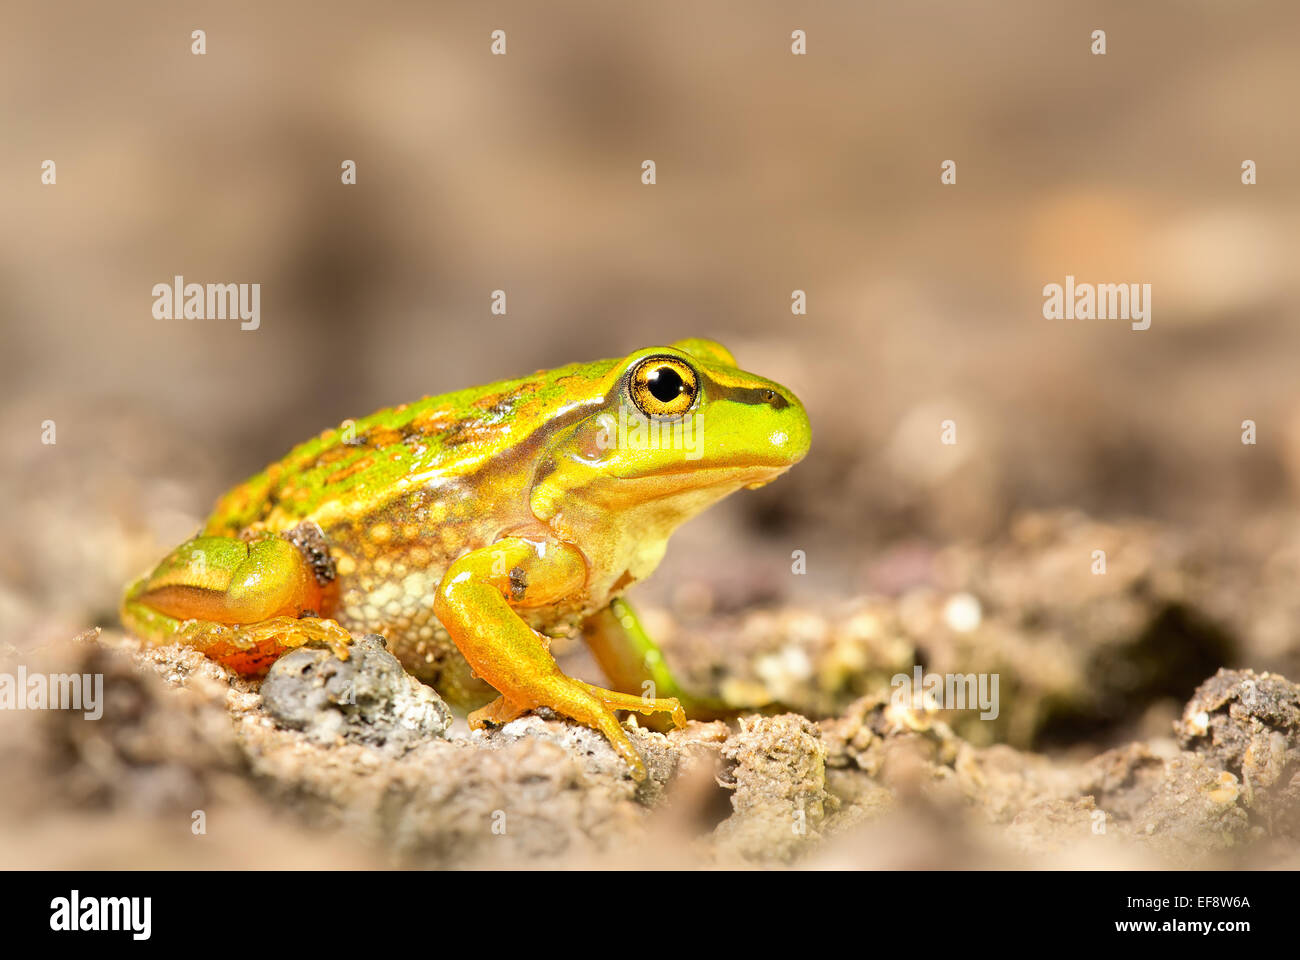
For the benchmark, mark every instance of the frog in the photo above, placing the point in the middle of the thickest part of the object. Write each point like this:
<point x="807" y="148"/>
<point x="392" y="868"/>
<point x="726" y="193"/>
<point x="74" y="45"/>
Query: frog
<point x="471" y="529"/>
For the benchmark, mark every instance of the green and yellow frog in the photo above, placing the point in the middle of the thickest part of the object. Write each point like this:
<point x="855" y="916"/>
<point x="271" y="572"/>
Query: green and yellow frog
<point x="470" y="528"/>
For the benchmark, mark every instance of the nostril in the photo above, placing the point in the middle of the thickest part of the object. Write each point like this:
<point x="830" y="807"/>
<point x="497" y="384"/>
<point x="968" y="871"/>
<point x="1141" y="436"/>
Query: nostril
<point x="769" y="396"/>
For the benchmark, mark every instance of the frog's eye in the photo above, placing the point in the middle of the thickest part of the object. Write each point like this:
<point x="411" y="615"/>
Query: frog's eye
<point x="663" y="387"/>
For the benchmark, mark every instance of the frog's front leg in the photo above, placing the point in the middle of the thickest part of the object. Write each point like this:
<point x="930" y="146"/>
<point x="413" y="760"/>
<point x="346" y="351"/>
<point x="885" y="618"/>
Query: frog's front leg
<point x="633" y="661"/>
<point x="476" y="604"/>
<point x="239" y="602"/>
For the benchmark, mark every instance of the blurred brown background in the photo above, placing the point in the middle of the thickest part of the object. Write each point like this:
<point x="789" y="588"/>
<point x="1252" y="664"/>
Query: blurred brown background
<point x="775" y="172"/>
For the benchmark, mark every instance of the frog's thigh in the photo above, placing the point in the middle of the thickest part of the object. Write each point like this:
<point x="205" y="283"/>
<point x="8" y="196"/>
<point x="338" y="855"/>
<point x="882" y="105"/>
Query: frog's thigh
<point x="236" y="601"/>
<point x="474" y="605"/>
<point x="634" y="663"/>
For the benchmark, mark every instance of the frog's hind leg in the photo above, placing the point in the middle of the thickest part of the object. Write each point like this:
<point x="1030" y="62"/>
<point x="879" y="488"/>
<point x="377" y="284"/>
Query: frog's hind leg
<point x="633" y="662"/>
<point x="242" y="603"/>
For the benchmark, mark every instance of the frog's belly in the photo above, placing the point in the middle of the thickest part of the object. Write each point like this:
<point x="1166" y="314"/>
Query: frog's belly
<point x="398" y="604"/>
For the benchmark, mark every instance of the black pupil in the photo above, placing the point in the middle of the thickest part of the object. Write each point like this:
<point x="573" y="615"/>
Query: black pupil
<point x="665" y="384"/>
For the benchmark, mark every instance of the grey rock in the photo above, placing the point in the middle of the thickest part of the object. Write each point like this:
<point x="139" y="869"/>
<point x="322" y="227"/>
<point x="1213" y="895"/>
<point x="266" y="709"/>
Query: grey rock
<point x="367" y="698"/>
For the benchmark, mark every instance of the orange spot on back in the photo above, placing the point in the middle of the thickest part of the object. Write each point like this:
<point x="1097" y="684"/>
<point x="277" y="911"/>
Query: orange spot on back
<point x="435" y="420"/>
<point x="382" y="437"/>
<point x="338" y="476"/>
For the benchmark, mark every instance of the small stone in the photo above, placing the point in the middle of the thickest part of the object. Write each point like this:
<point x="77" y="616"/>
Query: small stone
<point x="367" y="698"/>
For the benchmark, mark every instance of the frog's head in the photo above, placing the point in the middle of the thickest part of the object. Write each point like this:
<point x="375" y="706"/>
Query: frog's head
<point x="665" y="432"/>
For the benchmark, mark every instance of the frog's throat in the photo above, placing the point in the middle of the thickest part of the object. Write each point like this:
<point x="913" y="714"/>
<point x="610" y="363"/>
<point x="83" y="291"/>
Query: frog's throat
<point x="622" y="541"/>
<point x="670" y="497"/>
<point x="624" y="525"/>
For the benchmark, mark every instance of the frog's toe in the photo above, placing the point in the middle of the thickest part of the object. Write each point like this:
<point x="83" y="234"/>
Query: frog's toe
<point x="251" y="648"/>
<point x="499" y="711"/>
<point x="646" y="705"/>
<point x="316" y="632"/>
<point x="602" y="718"/>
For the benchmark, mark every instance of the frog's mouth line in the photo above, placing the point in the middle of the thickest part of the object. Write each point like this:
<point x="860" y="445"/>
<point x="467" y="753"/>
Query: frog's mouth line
<point x="737" y="473"/>
<point x="701" y="485"/>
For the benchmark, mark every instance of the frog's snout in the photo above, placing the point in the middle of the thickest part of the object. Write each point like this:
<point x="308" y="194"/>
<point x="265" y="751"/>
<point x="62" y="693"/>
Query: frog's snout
<point x="790" y="435"/>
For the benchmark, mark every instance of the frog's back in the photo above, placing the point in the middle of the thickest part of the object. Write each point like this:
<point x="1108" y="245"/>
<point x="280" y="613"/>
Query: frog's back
<point x="361" y="468"/>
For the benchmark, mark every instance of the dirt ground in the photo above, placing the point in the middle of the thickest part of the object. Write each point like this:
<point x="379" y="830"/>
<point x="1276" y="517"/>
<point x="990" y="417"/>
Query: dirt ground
<point x="1092" y="759"/>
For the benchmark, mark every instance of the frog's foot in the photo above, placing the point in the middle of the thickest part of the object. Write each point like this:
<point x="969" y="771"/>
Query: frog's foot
<point x="587" y="704"/>
<point x="595" y="707"/>
<point x="503" y="650"/>
<point x="252" y="647"/>
<point x="590" y="706"/>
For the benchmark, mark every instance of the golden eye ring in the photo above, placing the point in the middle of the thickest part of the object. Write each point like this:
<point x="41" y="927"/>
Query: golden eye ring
<point x="663" y="386"/>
